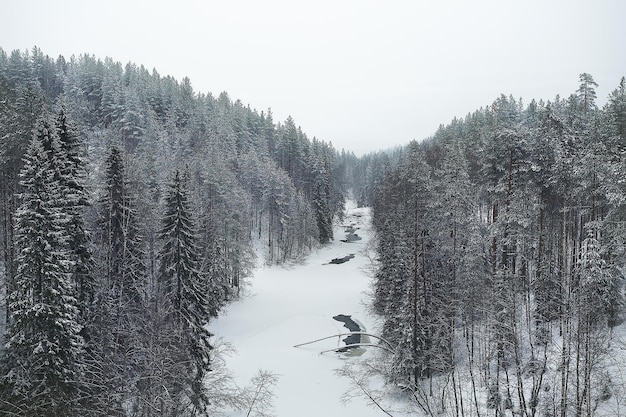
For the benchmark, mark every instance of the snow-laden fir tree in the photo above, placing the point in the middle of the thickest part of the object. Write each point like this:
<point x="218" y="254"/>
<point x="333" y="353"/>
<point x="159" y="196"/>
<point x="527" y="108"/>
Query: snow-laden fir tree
<point x="43" y="357"/>
<point x="183" y="290"/>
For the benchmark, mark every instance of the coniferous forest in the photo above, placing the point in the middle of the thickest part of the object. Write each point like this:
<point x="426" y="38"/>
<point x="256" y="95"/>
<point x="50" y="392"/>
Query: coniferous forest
<point x="132" y="209"/>
<point x="501" y="255"/>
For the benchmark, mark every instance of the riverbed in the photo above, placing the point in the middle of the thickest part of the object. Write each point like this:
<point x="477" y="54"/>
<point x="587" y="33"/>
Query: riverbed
<point x="285" y="306"/>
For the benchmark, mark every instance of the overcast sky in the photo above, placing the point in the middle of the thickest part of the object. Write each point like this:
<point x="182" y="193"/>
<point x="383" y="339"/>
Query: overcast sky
<point x="364" y="75"/>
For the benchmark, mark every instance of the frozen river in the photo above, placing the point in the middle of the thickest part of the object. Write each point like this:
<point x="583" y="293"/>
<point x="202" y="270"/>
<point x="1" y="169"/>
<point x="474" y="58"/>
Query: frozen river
<point x="289" y="305"/>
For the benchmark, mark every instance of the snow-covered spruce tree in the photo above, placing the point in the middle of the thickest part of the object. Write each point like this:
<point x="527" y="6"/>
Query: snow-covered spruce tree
<point x="224" y="235"/>
<point x="458" y="296"/>
<point x="22" y="104"/>
<point x="321" y="195"/>
<point x="393" y="252"/>
<point x="183" y="292"/>
<point x="124" y="265"/>
<point x="405" y="287"/>
<point x="119" y="301"/>
<point x="422" y="297"/>
<point x="43" y="357"/>
<point x="72" y="176"/>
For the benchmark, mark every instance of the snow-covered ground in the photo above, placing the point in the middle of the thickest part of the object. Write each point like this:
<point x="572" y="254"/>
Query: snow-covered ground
<point x="286" y="306"/>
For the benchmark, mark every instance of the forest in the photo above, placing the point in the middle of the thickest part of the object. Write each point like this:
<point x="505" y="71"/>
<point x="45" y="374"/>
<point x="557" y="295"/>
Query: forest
<point x="133" y="209"/>
<point x="131" y="212"/>
<point x="501" y="255"/>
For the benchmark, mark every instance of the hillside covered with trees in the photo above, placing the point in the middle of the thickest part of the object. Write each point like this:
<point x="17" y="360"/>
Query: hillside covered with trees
<point x="130" y="208"/>
<point x="501" y="256"/>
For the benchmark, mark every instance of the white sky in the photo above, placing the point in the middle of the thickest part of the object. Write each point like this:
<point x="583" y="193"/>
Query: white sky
<point x="365" y="75"/>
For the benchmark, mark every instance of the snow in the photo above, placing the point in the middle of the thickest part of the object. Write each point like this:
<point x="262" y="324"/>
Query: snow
<point x="289" y="305"/>
<point x="296" y="304"/>
<point x="616" y="406"/>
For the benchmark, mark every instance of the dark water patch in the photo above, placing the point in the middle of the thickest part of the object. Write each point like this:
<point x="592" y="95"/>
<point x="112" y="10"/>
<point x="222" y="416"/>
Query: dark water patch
<point x="351" y="235"/>
<point x="345" y="259"/>
<point x="353" y="327"/>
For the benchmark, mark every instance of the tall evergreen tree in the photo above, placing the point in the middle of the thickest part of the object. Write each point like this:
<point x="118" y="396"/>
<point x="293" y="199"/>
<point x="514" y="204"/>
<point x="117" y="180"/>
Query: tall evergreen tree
<point x="321" y="193"/>
<point x="616" y="108"/>
<point x="182" y="287"/>
<point x="120" y="302"/>
<point x="43" y="362"/>
<point x="124" y="266"/>
<point x="21" y="106"/>
<point x="72" y="176"/>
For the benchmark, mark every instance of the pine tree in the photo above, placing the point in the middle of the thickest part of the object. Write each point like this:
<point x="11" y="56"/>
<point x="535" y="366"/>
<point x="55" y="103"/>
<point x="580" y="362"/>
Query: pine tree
<point x="43" y="362"/>
<point x="550" y="176"/>
<point x="182" y="288"/>
<point x="586" y="98"/>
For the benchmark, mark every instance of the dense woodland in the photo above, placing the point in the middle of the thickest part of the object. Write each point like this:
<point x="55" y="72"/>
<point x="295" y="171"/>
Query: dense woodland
<point x="131" y="211"/>
<point x="501" y="255"/>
